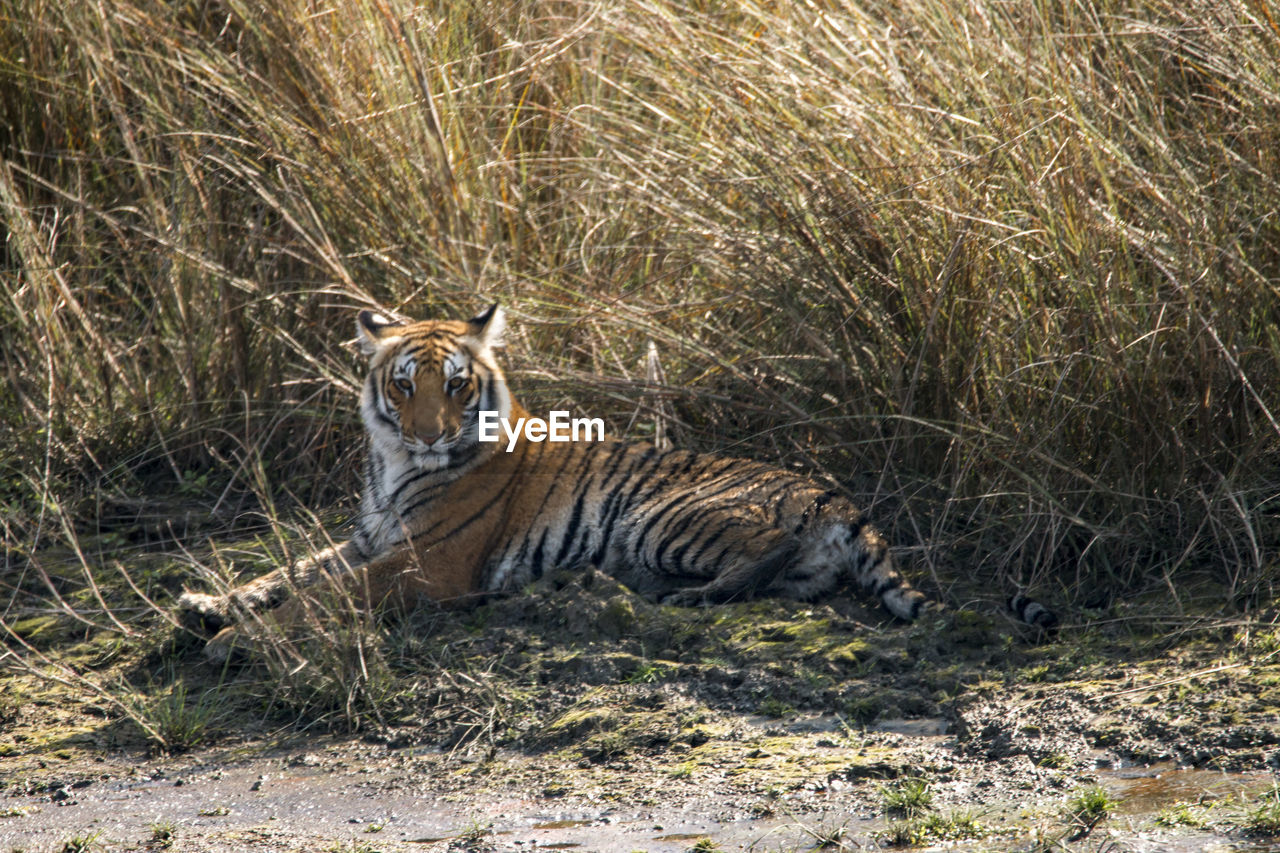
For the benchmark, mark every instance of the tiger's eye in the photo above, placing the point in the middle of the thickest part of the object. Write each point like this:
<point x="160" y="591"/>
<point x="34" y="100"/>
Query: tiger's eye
<point x="405" y="385"/>
<point x="455" y="383"/>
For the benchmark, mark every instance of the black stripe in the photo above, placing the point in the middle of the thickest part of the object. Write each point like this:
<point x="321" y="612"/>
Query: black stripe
<point x="373" y="468"/>
<point x="886" y="584"/>
<point x="518" y="559"/>
<point x="875" y="560"/>
<point x="720" y="555"/>
<point x="575" y="556"/>
<point x="412" y="476"/>
<point x="636" y="477"/>
<point x="423" y="497"/>
<point x="537" y="566"/>
<point x="609" y="507"/>
<point x="665" y="478"/>
<point x="554" y="480"/>
<point x="824" y="499"/>
<point x="658" y="516"/>
<point x="640" y="478"/>
<point x="617" y="454"/>
<point x="677" y="558"/>
<point x="670" y="536"/>
<point x="485" y="392"/>
<point x="571" y="529"/>
<point x="499" y="494"/>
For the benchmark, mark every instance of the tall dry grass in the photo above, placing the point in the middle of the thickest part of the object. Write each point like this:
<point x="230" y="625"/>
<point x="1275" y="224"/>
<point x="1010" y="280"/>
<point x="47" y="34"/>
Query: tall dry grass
<point x="1008" y="269"/>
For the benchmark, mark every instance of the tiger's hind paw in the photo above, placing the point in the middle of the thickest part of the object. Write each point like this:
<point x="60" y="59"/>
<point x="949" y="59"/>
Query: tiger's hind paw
<point x="685" y="598"/>
<point x="228" y="646"/>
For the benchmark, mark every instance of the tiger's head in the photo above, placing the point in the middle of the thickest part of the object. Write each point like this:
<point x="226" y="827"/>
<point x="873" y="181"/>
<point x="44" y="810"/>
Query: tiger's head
<point x="428" y="383"/>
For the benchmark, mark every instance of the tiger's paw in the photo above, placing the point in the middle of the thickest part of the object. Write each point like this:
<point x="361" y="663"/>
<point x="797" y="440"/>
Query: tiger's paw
<point x="202" y="613"/>
<point x="932" y="611"/>
<point x="228" y="645"/>
<point x="685" y="598"/>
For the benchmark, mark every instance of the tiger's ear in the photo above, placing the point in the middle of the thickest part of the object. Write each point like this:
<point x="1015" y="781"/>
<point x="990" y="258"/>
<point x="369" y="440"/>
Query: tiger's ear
<point x="487" y="326"/>
<point x="374" y="329"/>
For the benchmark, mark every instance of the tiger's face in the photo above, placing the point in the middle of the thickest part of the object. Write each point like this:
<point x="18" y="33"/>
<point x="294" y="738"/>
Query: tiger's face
<point x="428" y="383"/>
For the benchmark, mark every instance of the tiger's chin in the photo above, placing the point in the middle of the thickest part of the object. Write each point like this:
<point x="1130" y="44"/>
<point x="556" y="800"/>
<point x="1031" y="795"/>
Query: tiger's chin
<point x="442" y="456"/>
<point x="430" y="460"/>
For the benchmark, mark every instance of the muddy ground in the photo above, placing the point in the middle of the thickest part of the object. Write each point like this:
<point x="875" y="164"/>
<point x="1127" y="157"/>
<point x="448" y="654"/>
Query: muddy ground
<point x="576" y="715"/>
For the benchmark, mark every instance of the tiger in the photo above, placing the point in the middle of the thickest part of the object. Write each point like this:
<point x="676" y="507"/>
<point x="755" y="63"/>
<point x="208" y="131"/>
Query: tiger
<point x="447" y="517"/>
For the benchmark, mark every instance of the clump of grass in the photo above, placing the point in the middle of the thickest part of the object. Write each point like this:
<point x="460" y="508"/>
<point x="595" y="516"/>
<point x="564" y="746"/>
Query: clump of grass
<point x="1181" y="814"/>
<point x="911" y="800"/>
<point x="474" y="833"/>
<point x="826" y="835"/>
<point x="82" y="843"/>
<point x="933" y="828"/>
<point x="772" y="706"/>
<point x="1263" y="820"/>
<point x="1087" y="807"/>
<point x="214" y="811"/>
<point x="908" y="798"/>
<point x="336" y="672"/>
<point x="683" y="770"/>
<point x="648" y="672"/>
<point x="174" y="720"/>
<point x="163" y="833"/>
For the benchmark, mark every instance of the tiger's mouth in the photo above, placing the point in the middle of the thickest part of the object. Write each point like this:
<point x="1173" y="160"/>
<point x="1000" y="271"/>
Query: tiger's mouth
<point x="417" y="446"/>
<point x="438" y="447"/>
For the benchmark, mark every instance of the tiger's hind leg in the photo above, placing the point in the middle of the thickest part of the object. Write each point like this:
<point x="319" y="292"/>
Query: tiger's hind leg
<point x="840" y="548"/>
<point x="741" y="557"/>
<point x="875" y="572"/>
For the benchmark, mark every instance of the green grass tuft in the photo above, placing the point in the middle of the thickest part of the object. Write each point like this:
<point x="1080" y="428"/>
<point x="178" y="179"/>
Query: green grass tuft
<point x="163" y="833"/>
<point x="934" y="828"/>
<point x="1087" y="807"/>
<point x="907" y="798"/>
<point x="1263" y="820"/>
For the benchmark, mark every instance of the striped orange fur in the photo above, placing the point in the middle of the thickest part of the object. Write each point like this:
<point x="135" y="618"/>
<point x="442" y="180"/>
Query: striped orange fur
<point x="447" y="517"/>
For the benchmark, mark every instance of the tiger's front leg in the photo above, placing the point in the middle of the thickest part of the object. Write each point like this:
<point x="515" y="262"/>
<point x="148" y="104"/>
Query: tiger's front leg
<point x="208" y="614"/>
<point x="398" y="579"/>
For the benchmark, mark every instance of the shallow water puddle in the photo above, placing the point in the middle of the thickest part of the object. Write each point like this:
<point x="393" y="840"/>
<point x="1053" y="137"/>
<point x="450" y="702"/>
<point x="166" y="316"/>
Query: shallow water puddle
<point x="1147" y="790"/>
<point x="562" y="824"/>
<point x="925" y="727"/>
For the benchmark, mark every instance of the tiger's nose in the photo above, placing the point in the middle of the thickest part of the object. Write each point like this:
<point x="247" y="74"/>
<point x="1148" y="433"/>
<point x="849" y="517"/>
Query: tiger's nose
<point x="428" y="438"/>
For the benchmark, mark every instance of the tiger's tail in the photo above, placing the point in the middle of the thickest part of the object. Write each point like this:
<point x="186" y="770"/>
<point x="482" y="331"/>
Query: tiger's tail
<point x="1033" y="612"/>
